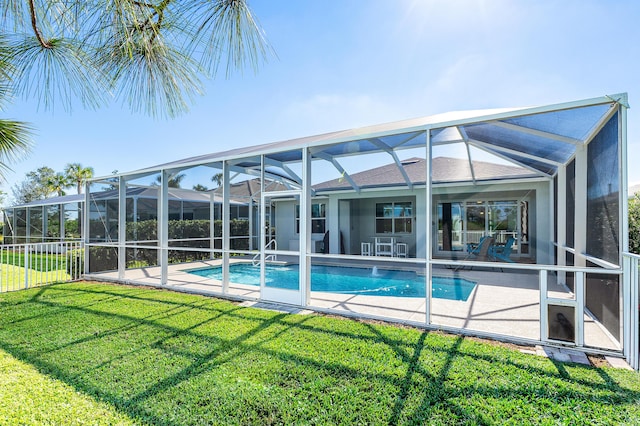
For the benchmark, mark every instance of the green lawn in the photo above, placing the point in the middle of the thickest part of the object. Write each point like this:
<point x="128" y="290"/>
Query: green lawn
<point x="29" y="397"/>
<point x="89" y="353"/>
<point x="39" y="262"/>
<point x="13" y="277"/>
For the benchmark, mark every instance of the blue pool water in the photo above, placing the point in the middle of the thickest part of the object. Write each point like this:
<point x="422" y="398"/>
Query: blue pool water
<point x="337" y="279"/>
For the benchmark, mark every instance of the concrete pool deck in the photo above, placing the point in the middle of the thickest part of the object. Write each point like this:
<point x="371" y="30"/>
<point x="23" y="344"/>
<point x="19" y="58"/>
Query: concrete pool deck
<point x="505" y="303"/>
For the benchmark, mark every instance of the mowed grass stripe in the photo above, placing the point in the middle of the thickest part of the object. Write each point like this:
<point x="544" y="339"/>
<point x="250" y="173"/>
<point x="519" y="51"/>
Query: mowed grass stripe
<point x="162" y="357"/>
<point x="28" y="397"/>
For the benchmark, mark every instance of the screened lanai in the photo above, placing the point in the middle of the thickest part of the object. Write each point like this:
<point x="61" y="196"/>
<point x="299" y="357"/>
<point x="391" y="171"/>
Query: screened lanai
<point x="505" y="223"/>
<point x="59" y="219"/>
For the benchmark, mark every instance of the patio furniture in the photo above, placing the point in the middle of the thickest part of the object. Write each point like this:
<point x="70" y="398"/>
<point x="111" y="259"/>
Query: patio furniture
<point x="365" y="249"/>
<point x="401" y="249"/>
<point x="479" y="251"/>
<point x="384" y="246"/>
<point x="503" y="253"/>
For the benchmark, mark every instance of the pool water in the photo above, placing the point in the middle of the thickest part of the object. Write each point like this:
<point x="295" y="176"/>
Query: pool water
<point x="338" y="279"/>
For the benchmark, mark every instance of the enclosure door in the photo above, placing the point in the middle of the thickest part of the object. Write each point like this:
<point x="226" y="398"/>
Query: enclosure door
<point x="280" y="272"/>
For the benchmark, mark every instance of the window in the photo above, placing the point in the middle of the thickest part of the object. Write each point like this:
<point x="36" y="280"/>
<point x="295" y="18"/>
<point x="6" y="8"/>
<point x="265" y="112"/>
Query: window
<point x="394" y="218"/>
<point x="318" y="218"/>
<point x="460" y="223"/>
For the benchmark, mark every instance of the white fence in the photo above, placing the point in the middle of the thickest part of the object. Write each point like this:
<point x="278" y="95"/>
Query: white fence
<point x="32" y="265"/>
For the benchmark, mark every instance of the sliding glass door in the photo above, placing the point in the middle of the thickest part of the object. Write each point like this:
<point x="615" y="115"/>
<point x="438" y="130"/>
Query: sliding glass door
<point x="466" y="222"/>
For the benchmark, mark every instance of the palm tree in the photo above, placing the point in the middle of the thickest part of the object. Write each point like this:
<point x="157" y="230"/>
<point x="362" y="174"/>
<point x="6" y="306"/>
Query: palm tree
<point x="217" y="178"/>
<point x="174" y="181"/>
<point x="58" y="183"/>
<point x="77" y="174"/>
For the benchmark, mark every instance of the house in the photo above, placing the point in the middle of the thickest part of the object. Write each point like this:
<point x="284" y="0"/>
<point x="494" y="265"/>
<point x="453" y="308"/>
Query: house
<point x="385" y="206"/>
<point x="508" y="223"/>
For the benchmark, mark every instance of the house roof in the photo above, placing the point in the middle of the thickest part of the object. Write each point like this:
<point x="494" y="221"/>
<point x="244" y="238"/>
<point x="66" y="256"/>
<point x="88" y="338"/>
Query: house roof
<point x="249" y="188"/>
<point x="443" y="170"/>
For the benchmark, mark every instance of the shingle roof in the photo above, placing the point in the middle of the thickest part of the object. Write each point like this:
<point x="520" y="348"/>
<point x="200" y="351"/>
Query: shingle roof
<point x="444" y="169"/>
<point x="249" y="188"/>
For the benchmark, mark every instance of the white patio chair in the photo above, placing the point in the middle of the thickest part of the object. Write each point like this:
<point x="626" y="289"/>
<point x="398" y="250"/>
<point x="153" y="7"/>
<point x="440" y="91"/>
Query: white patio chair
<point x="401" y="250"/>
<point x="365" y="249"/>
<point x="384" y="246"/>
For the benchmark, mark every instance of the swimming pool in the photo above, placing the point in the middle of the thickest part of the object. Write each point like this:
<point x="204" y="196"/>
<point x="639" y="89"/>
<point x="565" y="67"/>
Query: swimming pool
<point x="339" y="279"/>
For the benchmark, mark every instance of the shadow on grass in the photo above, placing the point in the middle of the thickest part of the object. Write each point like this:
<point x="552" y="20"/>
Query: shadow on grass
<point x="168" y="358"/>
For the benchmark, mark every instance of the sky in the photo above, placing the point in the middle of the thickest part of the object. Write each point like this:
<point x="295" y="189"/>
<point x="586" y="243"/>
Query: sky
<point x="341" y="64"/>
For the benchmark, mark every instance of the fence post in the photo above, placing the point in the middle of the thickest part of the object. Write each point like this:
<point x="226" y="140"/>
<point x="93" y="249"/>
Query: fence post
<point x="26" y="266"/>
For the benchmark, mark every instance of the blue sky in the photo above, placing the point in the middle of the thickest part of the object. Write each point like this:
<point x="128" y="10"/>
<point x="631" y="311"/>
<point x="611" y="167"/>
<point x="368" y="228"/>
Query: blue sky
<point x="349" y="63"/>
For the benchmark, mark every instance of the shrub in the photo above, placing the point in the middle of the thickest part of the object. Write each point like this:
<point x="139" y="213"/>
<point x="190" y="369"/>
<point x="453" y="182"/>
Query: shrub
<point x="634" y="224"/>
<point x="75" y="263"/>
<point x="195" y="234"/>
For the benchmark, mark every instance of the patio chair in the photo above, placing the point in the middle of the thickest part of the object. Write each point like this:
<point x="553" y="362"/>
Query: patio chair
<point x="365" y="249"/>
<point x="503" y="253"/>
<point x="479" y="251"/>
<point x="384" y="246"/>
<point x="401" y="249"/>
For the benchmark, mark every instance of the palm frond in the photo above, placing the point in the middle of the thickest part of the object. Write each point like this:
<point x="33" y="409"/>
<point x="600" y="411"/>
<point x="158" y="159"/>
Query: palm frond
<point x="151" y="54"/>
<point x="15" y="143"/>
<point x="6" y="70"/>
<point x="61" y="73"/>
<point x="229" y="35"/>
<point x="153" y="77"/>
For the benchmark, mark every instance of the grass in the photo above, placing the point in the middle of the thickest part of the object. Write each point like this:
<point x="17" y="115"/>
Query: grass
<point x="29" y="397"/>
<point x="13" y="277"/>
<point x="147" y="356"/>
<point x="39" y="262"/>
<point x="43" y="269"/>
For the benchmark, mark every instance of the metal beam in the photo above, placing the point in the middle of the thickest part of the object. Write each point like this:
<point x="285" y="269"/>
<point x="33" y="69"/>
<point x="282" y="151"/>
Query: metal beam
<point x="122" y="227"/>
<point x="410" y="138"/>
<point x="435" y="141"/>
<point x="292" y="174"/>
<point x="511" y="160"/>
<point x="465" y="138"/>
<point x="600" y="124"/>
<point x="383" y="146"/>
<point x="516" y="152"/>
<point x="338" y="167"/>
<point x="534" y="132"/>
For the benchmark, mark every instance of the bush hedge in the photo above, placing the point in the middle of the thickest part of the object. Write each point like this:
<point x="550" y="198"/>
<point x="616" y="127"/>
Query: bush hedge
<point x="195" y="234"/>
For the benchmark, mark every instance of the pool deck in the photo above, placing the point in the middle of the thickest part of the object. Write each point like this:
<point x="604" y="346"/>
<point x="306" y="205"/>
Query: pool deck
<point x="505" y="303"/>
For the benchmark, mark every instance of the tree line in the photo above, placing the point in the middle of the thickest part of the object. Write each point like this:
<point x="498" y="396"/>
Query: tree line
<point x="45" y="182"/>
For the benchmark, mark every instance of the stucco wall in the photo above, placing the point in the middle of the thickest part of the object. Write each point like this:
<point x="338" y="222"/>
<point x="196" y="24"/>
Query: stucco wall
<point x="359" y="226"/>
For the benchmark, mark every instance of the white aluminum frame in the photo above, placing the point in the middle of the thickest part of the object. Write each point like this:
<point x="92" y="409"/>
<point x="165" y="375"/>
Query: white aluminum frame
<point x="313" y="146"/>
